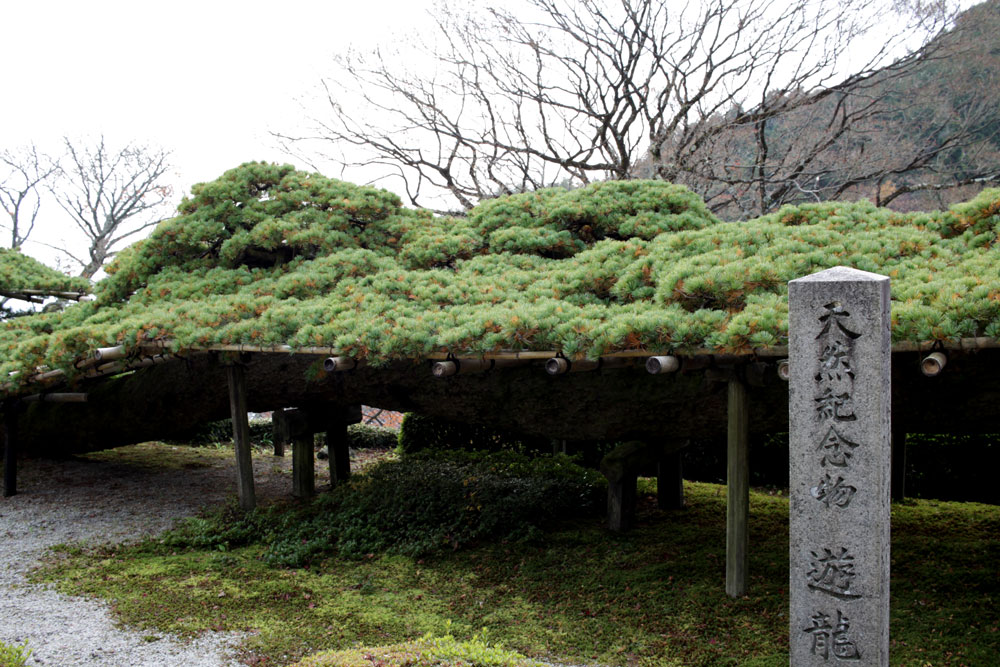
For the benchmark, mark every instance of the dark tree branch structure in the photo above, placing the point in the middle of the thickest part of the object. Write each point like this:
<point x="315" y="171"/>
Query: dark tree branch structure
<point x="111" y="195"/>
<point x="752" y="104"/>
<point x="25" y="171"/>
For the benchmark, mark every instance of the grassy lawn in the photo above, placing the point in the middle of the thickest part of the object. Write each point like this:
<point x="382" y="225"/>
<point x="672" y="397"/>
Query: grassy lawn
<point x="654" y="596"/>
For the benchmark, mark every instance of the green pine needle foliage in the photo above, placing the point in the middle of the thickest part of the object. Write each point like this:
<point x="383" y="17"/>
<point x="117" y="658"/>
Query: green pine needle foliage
<point x="270" y="255"/>
<point x="20" y="272"/>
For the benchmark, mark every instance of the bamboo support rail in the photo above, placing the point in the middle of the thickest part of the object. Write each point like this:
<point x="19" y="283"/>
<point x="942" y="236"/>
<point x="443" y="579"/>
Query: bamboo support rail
<point x="662" y="364"/>
<point x="110" y="360"/>
<point x="933" y="364"/>
<point x="335" y="364"/>
<point x="75" y="296"/>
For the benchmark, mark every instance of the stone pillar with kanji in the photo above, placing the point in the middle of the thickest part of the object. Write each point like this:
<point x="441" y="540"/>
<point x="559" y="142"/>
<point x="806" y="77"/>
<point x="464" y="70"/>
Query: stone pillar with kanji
<point x="839" y="468"/>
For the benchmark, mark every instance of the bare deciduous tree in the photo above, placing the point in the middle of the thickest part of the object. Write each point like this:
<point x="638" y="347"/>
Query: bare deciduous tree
<point x="111" y="195"/>
<point x="752" y="103"/>
<point x="25" y="171"/>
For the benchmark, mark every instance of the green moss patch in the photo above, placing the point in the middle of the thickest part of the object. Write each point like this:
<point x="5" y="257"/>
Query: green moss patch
<point x="428" y="651"/>
<point x="654" y="596"/>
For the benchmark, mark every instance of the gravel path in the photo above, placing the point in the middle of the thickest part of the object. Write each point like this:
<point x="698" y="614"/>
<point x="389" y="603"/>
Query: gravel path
<point x="86" y="501"/>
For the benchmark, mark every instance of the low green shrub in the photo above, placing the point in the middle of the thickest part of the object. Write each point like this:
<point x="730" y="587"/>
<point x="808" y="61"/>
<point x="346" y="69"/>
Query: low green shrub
<point x="364" y="436"/>
<point x="428" y="502"/>
<point x="419" y="432"/>
<point x="221" y="431"/>
<point x="14" y="655"/>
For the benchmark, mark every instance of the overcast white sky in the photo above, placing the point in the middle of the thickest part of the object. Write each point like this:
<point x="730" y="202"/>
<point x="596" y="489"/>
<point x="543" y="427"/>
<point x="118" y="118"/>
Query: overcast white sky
<point x="205" y="79"/>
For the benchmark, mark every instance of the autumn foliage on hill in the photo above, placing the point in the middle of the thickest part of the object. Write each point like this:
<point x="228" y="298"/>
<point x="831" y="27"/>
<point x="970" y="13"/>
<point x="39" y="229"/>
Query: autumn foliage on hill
<point x="268" y="255"/>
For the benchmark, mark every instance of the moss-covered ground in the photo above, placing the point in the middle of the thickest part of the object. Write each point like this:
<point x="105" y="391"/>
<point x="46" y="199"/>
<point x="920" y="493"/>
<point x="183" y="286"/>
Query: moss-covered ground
<point x="653" y="596"/>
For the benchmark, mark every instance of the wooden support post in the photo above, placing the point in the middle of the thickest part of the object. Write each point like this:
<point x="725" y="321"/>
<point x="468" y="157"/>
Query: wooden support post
<point x="737" y="491"/>
<point x="339" y="451"/>
<point x="670" y="482"/>
<point x="295" y="426"/>
<point x="279" y="431"/>
<point x="621" y="502"/>
<point x="898" y="481"/>
<point x="241" y="435"/>
<point x="303" y="465"/>
<point x="10" y="449"/>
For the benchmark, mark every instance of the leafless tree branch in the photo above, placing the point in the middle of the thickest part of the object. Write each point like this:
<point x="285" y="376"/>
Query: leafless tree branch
<point x="25" y="171"/>
<point x="751" y="103"/>
<point x="111" y="194"/>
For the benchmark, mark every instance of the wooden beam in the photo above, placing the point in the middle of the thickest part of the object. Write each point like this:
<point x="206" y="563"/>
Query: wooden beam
<point x="670" y="482"/>
<point x="10" y="449"/>
<point x="737" y="491"/>
<point x="241" y="436"/>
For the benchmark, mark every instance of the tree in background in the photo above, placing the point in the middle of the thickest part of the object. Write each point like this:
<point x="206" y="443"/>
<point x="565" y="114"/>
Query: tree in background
<point x="948" y="112"/>
<point x="25" y="171"/>
<point x="751" y="103"/>
<point x="111" y="195"/>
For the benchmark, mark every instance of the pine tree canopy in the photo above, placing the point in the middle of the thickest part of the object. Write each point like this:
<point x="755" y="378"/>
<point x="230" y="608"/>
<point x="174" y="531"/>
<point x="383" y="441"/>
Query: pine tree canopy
<point x="270" y="255"/>
<point x="19" y="272"/>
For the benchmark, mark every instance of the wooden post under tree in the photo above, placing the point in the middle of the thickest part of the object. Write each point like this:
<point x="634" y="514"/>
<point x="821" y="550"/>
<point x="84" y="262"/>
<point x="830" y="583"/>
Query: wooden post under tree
<point x="303" y="466"/>
<point x="241" y="435"/>
<point x="337" y="442"/>
<point x="278" y="434"/>
<point x="296" y="426"/>
<point x="621" y="502"/>
<point x="737" y="491"/>
<point x="10" y="449"/>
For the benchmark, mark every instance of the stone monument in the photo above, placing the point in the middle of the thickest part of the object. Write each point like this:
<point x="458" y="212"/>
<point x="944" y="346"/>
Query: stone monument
<point x="839" y="468"/>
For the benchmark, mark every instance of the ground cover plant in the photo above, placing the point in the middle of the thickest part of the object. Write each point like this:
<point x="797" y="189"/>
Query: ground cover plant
<point x="654" y="596"/>
<point x="270" y="255"/>
<point x="431" y="501"/>
<point x="14" y="655"/>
